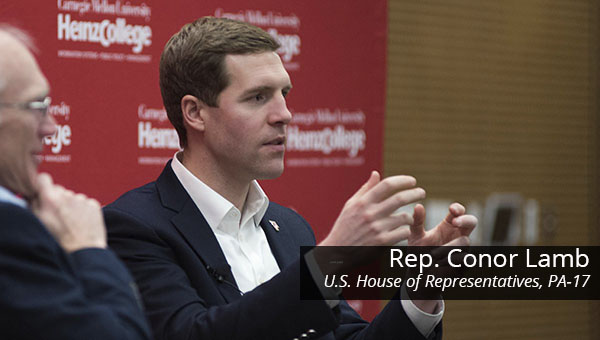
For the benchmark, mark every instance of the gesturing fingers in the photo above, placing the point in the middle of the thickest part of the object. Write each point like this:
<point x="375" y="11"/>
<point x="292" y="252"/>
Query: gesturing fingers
<point x="390" y="230"/>
<point x="368" y="218"/>
<point x="390" y="194"/>
<point x="389" y="187"/>
<point x="417" y="228"/>
<point x="455" y="210"/>
<point x="465" y="223"/>
<point x="400" y="199"/>
<point x="374" y="178"/>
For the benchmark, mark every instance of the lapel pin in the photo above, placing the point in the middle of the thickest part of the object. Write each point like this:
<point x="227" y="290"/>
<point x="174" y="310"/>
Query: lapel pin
<point x="275" y="225"/>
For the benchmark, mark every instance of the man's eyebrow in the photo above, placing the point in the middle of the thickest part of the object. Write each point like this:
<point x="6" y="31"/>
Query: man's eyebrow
<point x="263" y="88"/>
<point x="256" y="89"/>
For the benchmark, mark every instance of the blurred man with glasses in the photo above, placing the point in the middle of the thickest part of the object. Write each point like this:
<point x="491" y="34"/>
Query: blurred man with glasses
<point x="57" y="278"/>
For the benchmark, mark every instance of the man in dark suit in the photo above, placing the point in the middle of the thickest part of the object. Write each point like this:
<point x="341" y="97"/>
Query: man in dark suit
<point x="57" y="279"/>
<point x="213" y="258"/>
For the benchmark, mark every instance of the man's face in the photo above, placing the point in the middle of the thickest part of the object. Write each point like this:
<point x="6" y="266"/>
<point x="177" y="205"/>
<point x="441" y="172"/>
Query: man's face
<point x="245" y="134"/>
<point x="21" y="130"/>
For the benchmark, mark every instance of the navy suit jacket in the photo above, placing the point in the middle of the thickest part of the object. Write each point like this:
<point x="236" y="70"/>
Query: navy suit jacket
<point x="46" y="293"/>
<point x="189" y="291"/>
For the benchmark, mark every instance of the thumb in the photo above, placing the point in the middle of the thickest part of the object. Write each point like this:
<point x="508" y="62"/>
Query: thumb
<point x="42" y="182"/>
<point x="46" y="190"/>
<point x="374" y="178"/>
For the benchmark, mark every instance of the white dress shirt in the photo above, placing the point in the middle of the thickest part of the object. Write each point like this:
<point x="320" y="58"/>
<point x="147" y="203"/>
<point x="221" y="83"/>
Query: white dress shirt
<point x="245" y="245"/>
<point x="239" y="234"/>
<point x="7" y="196"/>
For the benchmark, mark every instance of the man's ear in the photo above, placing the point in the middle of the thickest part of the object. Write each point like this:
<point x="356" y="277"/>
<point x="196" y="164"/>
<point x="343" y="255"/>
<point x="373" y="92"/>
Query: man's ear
<point x="194" y="111"/>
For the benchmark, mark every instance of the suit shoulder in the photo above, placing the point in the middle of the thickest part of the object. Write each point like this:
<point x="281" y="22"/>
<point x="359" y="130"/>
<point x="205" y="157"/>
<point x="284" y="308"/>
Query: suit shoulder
<point x="280" y="210"/>
<point x="133" y="199"/>
<point x="138" y="208"/>
<point x="289" y="216"/>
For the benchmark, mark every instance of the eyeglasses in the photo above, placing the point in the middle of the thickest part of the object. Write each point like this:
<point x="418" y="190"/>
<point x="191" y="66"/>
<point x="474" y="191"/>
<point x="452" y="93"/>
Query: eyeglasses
<point x="40" y="106"/>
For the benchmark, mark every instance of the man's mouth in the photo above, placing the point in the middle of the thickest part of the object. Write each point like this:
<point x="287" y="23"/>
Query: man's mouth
<point x="276" y="141"/>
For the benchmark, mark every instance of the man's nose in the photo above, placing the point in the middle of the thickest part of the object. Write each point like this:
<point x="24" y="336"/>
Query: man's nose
<point x="280" y="113"/>
<point x="47" y="126"/>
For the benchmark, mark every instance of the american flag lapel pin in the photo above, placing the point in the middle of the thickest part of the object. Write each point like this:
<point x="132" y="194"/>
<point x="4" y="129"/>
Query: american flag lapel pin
<point x="274" y="224"/>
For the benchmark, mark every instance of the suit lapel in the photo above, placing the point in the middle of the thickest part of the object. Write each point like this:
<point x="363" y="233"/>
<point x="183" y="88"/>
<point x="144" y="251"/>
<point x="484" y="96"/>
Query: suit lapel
<point x="195" y="230"/>
<point x="281" y="242"/>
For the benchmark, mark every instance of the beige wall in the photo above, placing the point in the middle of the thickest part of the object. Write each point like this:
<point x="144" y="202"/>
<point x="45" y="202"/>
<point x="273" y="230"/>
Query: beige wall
<point x="501" y="96"/>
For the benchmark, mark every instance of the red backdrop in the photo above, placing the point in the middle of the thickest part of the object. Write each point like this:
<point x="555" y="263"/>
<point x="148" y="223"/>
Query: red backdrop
<point x="101" y="59"/>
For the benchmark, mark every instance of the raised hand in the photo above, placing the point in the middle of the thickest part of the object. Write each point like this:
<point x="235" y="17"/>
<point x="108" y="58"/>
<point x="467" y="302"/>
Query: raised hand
<point x="74" y="220"/>
<point x="368" y="217"/>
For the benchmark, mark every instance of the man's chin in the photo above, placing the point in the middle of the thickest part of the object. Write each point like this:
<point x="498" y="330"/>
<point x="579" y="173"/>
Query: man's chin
<point x="22" y="184"/>
<point x="271" y="173"/>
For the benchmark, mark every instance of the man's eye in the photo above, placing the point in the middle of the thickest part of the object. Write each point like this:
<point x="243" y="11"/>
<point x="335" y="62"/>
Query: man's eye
<point x="258" y="98"/>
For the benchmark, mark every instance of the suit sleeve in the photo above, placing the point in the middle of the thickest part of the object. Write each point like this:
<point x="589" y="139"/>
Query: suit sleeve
<point x="47" y="294"/>
<point x="391" y="323"/>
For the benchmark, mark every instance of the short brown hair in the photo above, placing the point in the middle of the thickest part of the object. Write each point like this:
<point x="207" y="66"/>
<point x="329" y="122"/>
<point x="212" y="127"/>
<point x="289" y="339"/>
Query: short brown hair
<point x="193" y="62"/>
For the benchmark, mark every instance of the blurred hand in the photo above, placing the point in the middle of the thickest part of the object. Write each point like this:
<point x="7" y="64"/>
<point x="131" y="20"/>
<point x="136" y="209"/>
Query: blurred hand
<point x="368" y="218"/>
<point x="74" y="220"/>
